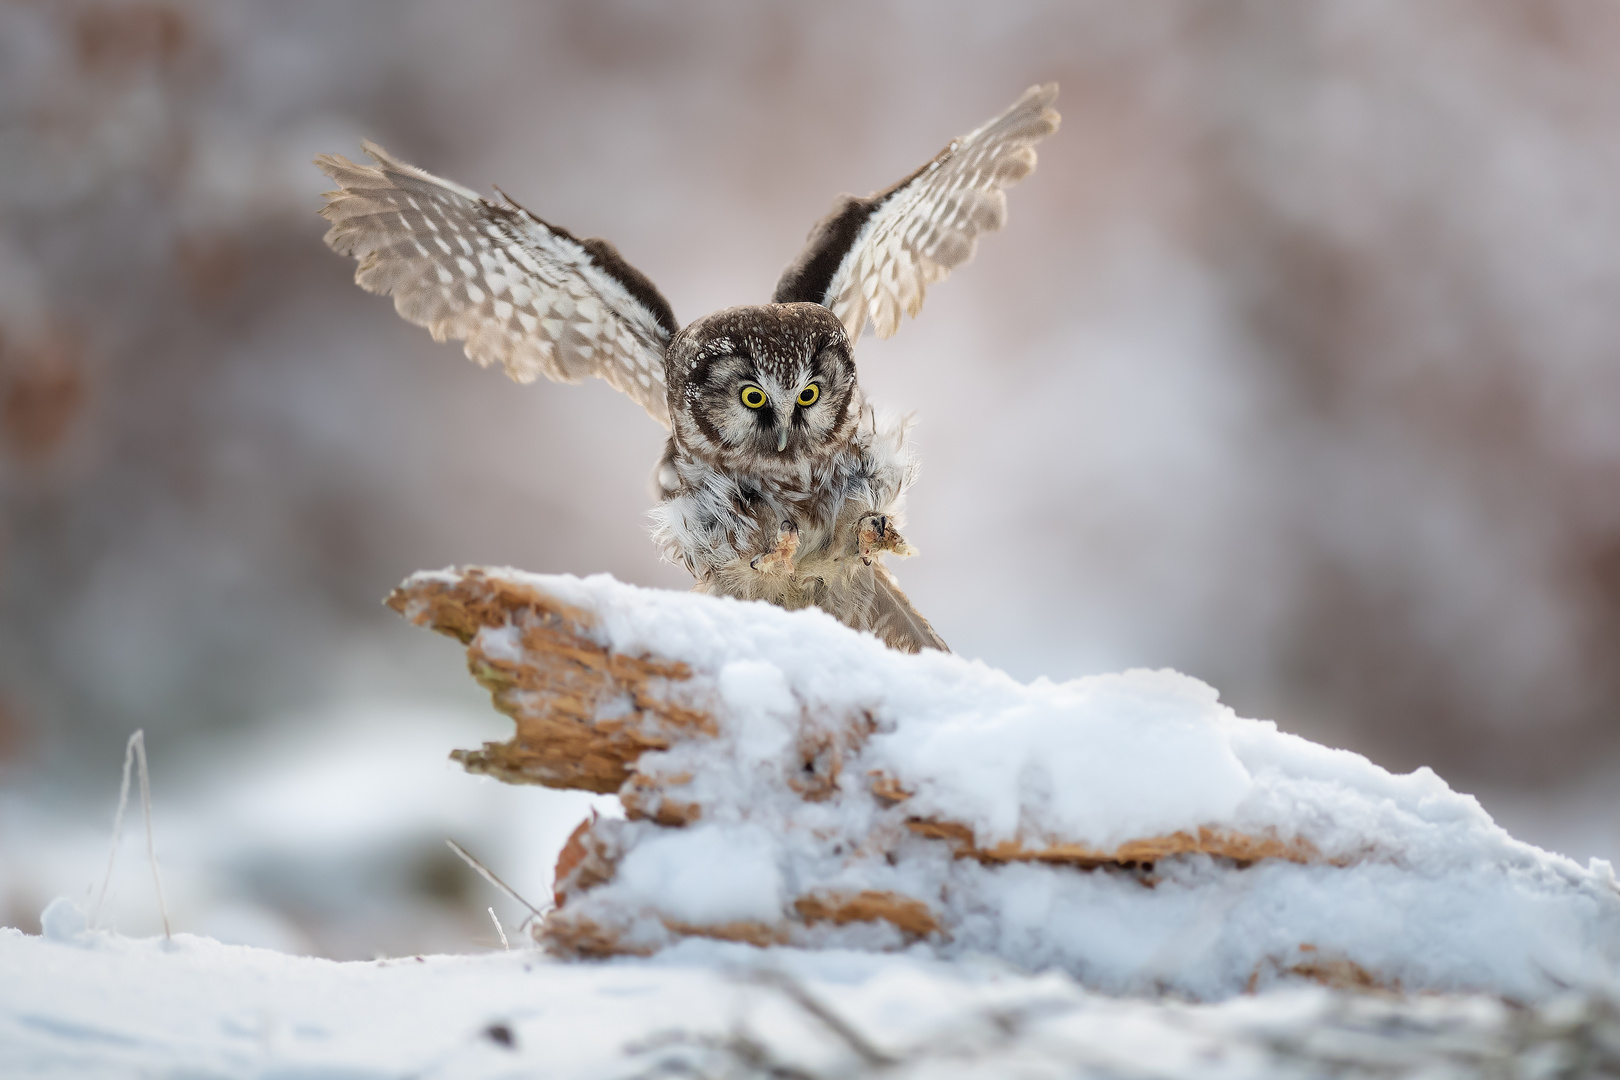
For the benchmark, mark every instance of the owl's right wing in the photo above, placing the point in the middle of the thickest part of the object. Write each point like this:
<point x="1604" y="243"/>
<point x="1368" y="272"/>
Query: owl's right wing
<point x="522" y="293"/>
<point x="873" y="257"/>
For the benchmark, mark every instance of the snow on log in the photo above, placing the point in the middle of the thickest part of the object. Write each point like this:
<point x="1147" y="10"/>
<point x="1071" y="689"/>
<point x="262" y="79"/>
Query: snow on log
<point x="787" y="780"/>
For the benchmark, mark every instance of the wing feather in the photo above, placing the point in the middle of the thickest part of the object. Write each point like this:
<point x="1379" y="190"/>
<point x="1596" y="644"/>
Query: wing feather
<point x="895" y="621"/>
<point x="874" y="258"/>
<point x="518" y="291"/>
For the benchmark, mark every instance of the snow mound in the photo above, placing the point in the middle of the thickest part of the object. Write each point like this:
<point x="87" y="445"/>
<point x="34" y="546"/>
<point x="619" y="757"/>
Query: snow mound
<point x="788" y="781"/>
<point x="111" y="1006"/>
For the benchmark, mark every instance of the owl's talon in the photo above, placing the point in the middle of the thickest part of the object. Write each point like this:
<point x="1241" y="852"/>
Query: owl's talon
<point x="779" y="557"/>
<point x="874" y="532"/>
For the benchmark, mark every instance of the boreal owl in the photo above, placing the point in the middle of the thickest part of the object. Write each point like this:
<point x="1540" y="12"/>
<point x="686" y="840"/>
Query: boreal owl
<point x="779" y="481"/>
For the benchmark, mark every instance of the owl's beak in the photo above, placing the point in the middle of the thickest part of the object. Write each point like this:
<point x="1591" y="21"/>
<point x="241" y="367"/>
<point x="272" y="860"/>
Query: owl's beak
<point x="781" y="439"/>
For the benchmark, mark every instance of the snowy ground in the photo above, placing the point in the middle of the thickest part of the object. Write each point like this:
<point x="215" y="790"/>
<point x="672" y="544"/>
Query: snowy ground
<point x="1417" y="872"/>
<point x="85" y="1004"/>
<point x="326" y="838"/>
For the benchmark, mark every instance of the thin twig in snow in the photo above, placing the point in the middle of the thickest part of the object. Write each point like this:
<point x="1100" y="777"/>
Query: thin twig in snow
<point x="118" y="830"/>
<point x="489" y="875"/>
<point x="797" y="993"/>
<point x="138" y="741"/>
<point x="134" y="751"/>
<point x="496" y="920"/>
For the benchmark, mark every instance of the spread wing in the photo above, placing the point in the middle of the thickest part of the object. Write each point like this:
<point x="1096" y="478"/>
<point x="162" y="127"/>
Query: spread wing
<point x="522" y="293"/>
<point x="875" y="256"/>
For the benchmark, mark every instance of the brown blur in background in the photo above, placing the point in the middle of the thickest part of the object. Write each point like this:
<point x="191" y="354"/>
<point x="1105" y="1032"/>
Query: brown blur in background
<point x="1297" y="366"/>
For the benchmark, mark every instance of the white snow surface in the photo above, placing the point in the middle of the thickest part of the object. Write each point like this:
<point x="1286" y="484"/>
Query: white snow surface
<point x="1412" y="882"/>
<point x="712" y="874"/>
<point x="76" y="1003"/>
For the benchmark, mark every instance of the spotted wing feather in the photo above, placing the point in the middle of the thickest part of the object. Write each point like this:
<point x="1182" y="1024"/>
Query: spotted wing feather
<point x="875" y="257"/>
<point x="520" y="292"/>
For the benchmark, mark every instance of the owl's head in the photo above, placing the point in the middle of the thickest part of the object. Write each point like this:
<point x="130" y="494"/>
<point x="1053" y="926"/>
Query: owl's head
<point x="766" y="388"/>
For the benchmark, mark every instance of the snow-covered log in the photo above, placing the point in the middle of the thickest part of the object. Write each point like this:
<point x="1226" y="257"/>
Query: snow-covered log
<point x="787" y="780"/>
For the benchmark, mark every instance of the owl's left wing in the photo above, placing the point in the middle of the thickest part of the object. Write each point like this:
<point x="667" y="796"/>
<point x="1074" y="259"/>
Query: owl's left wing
<point x="873" y="257"/>
<point x="521" y="292"/>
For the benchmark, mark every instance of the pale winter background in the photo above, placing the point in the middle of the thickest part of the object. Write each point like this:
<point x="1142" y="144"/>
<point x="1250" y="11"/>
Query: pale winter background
<point x="1297" y="368"/>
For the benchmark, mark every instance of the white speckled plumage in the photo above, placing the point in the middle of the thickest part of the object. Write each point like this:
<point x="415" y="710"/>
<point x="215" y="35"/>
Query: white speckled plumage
<point x="930" y="224"/>
<point x="519" y="292"/>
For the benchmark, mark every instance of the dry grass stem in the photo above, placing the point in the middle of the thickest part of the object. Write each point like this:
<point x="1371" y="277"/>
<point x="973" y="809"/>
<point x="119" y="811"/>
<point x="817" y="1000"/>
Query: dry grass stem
<point x="137" y="742"/>
<point x="118" y="830"/>
<point x="134" y="755"/>
<point x="489" y="875"/>
<point x="496" y="919"/>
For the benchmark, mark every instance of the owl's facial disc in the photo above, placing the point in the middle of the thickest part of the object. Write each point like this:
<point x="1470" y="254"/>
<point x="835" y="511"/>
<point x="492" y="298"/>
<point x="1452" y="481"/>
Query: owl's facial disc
<point x="769" y="384"/>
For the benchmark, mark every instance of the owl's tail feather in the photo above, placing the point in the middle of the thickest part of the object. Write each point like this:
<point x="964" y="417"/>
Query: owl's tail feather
<point x="895" y="621"/>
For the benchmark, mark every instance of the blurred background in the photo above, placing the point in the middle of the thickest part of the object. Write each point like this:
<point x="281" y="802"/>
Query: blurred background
<point x="1297" y="368"/>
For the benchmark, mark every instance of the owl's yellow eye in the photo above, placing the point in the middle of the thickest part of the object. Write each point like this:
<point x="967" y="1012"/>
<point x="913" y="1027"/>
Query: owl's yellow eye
<point x="753" y="397"/>
<point x="809" y="394"/>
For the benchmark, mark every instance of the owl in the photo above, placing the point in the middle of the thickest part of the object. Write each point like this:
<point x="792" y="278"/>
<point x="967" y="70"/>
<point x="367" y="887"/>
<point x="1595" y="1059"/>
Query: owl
<point x="779" y="481"/>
